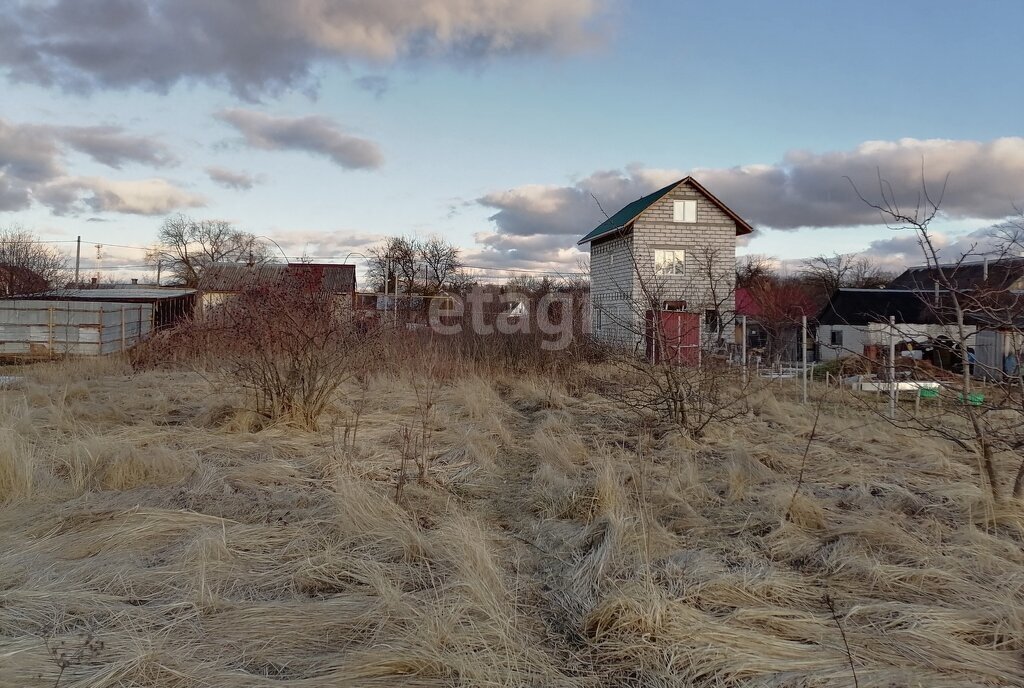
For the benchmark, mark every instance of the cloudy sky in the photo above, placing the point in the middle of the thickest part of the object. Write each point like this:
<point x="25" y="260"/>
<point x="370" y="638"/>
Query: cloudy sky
<point x="326" y="124"/>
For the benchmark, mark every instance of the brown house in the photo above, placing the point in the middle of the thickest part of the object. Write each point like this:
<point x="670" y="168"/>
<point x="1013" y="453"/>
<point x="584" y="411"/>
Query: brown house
<point x="222" y="280"/>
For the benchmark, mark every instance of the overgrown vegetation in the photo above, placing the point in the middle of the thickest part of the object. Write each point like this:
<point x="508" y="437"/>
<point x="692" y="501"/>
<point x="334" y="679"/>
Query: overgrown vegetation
<point x="288" y="344"/>
<point x="481" y="527"/>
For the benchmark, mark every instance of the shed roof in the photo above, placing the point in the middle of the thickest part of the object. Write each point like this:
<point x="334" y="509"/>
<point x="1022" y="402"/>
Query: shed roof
<point x="117" y="295"/>
<point x="632" y="211"/>
<point x="335" y="278"/>
<point x="865" y="306"/>
<point x="1001" y="274"/>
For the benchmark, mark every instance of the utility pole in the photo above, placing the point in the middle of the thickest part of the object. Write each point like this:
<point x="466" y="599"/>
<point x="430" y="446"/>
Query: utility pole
<point x="78" y="257"/>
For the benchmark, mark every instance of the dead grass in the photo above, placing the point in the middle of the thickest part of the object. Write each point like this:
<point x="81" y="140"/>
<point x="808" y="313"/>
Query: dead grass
<point x="551" y="544"/>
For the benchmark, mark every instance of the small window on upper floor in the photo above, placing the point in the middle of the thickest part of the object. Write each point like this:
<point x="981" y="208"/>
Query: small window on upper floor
<point x="684" y="211"/>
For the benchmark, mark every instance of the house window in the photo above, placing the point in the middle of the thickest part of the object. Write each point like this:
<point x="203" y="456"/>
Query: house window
<point x="598" y="320"/>
<point x="837" y="337"/>
<point x="669" y="261"/>
<point x="684" y="211"/>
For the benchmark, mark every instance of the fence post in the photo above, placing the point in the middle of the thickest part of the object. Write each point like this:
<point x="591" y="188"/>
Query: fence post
<point x="803" y="355"/>
<point x="892" y="367"/>
<point x="743" y="348"/>
<point x="122" y="333"/>
<point x="49" y="332"/>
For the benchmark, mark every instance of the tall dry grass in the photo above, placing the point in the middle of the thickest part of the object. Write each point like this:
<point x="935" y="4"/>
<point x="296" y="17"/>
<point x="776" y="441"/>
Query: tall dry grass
<point x="156" y="536"/>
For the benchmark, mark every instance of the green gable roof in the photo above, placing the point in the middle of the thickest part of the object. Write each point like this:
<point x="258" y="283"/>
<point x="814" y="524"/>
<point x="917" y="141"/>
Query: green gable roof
<point x="622" y="218"/>
<point x="628" y="213"/>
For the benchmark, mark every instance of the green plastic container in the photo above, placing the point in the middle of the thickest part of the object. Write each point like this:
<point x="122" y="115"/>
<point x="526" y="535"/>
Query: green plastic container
<point x="975" y="399"/>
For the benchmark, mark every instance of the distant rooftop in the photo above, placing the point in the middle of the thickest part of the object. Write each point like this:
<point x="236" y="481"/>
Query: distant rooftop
<point x="1003" y="273"/>
<point x="127" y="294"/>
<point x="335" y="278"/>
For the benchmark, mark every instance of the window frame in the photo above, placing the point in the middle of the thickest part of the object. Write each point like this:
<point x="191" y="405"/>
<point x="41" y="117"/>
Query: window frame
<point x="836" y="337"/>
<point x="679" y="261"/>
<point x="681" y="211"/>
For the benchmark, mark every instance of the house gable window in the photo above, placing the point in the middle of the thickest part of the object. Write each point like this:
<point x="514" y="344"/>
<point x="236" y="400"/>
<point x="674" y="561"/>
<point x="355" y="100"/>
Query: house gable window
<point x="669" y="261"/>
<point x="684" y="211"/>
<point x="837" y="338"/>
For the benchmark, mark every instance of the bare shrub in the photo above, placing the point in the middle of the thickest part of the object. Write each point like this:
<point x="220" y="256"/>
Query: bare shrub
<point x="676" y="370"/>
<point x="289" y="344"/>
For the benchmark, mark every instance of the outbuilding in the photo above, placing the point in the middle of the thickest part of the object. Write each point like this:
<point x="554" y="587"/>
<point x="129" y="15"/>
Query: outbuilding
<point x="855" y="320"/>
<point x="88" y="322"/>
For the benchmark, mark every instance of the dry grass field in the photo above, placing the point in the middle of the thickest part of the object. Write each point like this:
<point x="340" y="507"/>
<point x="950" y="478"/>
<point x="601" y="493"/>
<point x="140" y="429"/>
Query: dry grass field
<point x="154" y="534"/>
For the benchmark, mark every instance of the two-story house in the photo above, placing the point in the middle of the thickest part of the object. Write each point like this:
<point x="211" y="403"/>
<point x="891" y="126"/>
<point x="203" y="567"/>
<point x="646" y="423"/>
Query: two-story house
<point x="670" y="252"/>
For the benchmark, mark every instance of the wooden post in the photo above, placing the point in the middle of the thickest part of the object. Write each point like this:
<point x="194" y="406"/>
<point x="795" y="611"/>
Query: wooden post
<point x="49" y="332"/>
<point x="743" y="349"/>
<point x="892" y="366"/>
<point x="803" y="355"/>
<point x="123" y="338"/>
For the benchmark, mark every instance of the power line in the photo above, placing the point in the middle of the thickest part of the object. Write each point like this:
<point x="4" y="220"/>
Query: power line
<point x="489" y="271"/>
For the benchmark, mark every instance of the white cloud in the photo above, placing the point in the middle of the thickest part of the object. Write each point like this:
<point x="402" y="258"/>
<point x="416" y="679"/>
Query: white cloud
<point x="803" y="190"/>
<point x="32" y="158"/>
<point x="135" y="197"/>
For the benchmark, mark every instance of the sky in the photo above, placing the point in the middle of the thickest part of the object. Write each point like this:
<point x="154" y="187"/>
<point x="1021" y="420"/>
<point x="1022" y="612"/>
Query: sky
<point x="500" y="124"/>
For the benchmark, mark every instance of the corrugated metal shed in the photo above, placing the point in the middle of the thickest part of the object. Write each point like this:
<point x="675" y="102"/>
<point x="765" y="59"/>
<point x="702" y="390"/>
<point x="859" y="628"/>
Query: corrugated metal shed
<point x="89" y="322"/>
<point x="43" y="327"/>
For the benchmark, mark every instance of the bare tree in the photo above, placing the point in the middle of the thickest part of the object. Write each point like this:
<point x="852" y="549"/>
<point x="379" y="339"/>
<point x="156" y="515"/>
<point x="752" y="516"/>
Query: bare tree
<point x="781" y="304"/>
<point x="865" y="273"/>
<point x="752" y="269"/>
<point x="28" y="265"/>
<point x="441" y="263"/>
<point x="393" y="263"/>
<point x="989" y="423"/>
<point x="828" y="273"/>
<point x="188" y="246"/>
